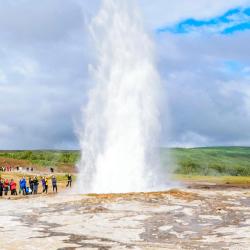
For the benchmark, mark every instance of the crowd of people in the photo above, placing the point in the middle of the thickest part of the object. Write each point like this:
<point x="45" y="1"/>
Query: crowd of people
<point x="29" y="186"/>
<point x="9" y="168"/>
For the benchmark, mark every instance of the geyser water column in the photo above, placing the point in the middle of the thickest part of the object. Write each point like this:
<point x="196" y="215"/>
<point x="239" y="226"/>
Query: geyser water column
<point x="121" y="118"/>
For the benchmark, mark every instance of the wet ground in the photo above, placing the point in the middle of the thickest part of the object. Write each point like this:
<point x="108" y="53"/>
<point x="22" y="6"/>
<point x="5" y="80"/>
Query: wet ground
<point x="199" y="217"/>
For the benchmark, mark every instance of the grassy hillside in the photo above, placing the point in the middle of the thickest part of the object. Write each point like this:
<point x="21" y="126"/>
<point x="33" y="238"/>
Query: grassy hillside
<point x="233" y="161"/>
<point x="43" y="157"/>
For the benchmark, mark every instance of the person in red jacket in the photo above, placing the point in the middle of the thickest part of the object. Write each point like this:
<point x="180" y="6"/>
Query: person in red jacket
<point x="6" y="186"/>
<point x="13" y="187"/>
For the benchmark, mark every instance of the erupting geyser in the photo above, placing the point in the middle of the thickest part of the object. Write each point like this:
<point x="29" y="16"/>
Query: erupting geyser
<point x="121" y="118"/>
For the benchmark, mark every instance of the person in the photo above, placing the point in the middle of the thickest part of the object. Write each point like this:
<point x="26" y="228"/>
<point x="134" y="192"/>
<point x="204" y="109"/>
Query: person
<point x="31" y="184"/>
<point x="69" y="180"/>
<point x="43" y="184"/>
<point x="20" y="190"/>
<point x="46" y="185"/>
<point x="6" y="186"/>
<point x="13" y="187"/>
<point x="35" y="185"/>
<point x="22" y="184"/>
<point x="1" y="187"/>
<point x="54" y="183"/>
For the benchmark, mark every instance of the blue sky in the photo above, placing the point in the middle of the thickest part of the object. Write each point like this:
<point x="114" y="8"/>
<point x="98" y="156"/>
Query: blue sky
<point x="202" y="50"/>
<point x="233" y="20"/>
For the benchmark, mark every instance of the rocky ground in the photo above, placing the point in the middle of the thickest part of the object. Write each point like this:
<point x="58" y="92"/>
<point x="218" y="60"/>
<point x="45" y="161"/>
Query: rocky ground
<point x="206" y="217"/>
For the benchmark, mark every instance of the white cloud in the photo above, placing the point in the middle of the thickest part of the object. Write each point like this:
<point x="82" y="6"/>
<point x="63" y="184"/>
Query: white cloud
<point x="240" y="87"/>
<point x="45" y="53"/>
<point x="205" y="100"/>
<point x="26" y="67"/>
<point x="4" y="130"/>
<point x="3" y="77"/>
<point x="190" y="140"/>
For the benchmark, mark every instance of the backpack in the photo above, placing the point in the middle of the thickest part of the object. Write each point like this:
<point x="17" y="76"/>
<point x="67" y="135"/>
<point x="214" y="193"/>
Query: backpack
<point x="28" y="190"/>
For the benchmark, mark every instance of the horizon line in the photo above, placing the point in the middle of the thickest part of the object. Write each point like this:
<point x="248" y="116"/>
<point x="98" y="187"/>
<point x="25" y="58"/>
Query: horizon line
<point x="160" y="147"/>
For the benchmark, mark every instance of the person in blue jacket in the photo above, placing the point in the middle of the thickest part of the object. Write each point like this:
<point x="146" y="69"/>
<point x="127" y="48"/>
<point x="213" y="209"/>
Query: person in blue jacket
<point x="22" y="184"/>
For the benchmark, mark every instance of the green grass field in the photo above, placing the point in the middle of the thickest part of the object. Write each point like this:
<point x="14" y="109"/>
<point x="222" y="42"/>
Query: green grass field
<point x="213" y="161"/>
